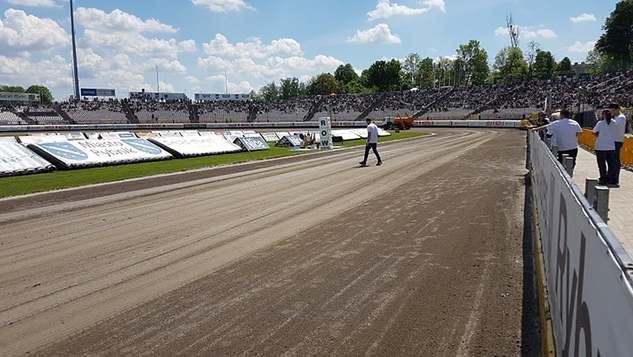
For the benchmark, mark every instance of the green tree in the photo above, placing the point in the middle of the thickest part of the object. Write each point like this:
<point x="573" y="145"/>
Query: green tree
<point x="616" y="43"/>
<point x="324" y="84"/>
<point x="356" y="87"/>
<point x="544" y="65"/>
<point x="472" y="63"/>
<point x="411" y="70"/>
<point x="510" y="64"/>
<point x="384" y="76"/>
<point x="426" y="73"/>
<point x="270" y="92"/>
<point x="564" y="67"/>
<point x="12" y="89"/>
<point x="289" y="88"/>
<point x="345" y="74"/>
<point x="532" y="52"/>
<point x="45" y="95"/>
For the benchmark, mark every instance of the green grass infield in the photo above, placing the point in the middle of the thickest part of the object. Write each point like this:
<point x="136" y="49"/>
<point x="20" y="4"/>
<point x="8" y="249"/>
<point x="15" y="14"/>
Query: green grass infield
<point x="56" y="180"/>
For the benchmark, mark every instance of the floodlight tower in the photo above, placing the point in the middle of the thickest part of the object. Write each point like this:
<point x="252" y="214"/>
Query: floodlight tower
<point x="513" y="31"/>
<point x="75" y="71"/>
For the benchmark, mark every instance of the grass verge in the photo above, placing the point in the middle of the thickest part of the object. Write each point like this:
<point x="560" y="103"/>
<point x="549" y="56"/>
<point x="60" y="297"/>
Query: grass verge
<point x="56" y="180"/>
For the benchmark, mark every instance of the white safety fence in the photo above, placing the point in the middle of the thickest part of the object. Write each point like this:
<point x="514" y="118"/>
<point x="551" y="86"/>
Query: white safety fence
<point x="590" y="291"/>
<point x="195" y="145"/>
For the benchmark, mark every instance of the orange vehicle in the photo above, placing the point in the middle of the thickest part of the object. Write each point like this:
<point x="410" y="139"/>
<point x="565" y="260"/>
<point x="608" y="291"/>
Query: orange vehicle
<point x="401" y="123"/>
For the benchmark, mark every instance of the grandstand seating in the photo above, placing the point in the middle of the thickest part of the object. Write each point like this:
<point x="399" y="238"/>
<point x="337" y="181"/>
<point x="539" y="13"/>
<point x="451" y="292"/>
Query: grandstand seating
<point x="9" y="118"/>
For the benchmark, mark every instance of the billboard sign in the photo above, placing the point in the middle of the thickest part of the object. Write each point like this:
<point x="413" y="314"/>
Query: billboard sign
<point x="94" y="92"/>
<point x="325" y="132"/>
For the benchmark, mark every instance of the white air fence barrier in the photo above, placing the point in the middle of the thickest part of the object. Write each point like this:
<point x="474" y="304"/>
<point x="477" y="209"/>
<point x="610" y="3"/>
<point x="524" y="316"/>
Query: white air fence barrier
<point x="66" y="154"/>
<point x="252" y="143"/>
<point x="15" y="159"/>
<point x="345" y="134"/>
<point x="590" y="293"/>
<point x="206" y="143"/>
<point x="270" y="137"/>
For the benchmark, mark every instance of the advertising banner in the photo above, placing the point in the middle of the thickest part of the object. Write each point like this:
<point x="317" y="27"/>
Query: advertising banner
<point x="325" y="133"/>
<point x="81" y="153"/>
<point x="270" y="137"/>
<point x="15" y="159"/>
<point x="590" y="293"/>
<point x="252" y="143"/>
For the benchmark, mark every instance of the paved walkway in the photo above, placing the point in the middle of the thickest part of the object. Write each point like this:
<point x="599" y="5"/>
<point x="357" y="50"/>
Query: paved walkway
<point x="620" y="199"/>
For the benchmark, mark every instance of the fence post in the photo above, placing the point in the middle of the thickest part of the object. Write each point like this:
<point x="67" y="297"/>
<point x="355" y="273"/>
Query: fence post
<point x="590" y="189"/>
<point x="601" y="204"/>
<point x="568" y="163"/>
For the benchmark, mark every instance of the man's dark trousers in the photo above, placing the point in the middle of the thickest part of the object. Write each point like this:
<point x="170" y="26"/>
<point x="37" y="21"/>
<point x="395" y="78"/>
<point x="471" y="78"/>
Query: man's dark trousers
<point x="374" y="147"/>
<point x="618" y="162"/>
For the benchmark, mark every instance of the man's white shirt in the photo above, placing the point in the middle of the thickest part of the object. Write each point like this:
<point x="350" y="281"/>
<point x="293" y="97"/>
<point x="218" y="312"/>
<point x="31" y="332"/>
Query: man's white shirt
<point x="606" y="136"/>
<point x="620" y="128"/>
<point x="564" y="132"/>
<point x="372" y="133"/>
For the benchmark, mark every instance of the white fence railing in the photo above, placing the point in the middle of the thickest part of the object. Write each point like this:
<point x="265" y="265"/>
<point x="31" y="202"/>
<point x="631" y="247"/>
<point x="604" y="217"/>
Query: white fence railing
<point x="587" y="270"/>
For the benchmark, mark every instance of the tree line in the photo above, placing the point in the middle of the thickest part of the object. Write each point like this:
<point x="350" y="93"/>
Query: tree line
<point x="469" y="66"/>
<point x="45" y="94"/>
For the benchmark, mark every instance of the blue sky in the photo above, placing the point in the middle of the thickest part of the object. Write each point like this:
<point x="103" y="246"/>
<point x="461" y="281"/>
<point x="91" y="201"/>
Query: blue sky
<point x="194" y="42"/>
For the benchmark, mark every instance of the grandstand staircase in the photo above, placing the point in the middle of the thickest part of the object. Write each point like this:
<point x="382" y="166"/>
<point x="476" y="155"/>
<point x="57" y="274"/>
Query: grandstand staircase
<point x="194" y="116"/>
<point x="428" y="107"/>
<point x="129" y="113"/>
<point x="315" y="108"/>
<point x="252" y="113"/>
<point x="67" y="119"/>
<point x="371" y="107"/>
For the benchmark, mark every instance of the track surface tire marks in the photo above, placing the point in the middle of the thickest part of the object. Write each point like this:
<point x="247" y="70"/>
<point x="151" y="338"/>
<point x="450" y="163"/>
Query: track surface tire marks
<point x="432" y="265"/>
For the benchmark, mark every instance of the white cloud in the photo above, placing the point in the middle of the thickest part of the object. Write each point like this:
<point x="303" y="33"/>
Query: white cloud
<point x="386" y="9"/>
<point x="220" y="46"/>
<point x="166" y="87"/>
<point x="529" y="32"/>
<point x="192" y="80"/>
<point x="223" y="5"/>
<point x="118" y="21"/>
<point x="20" y="31"/>
<point x="188" y="46"/>
<point x="582" y="47"/>
<point x="584" y="17"/>
<point x="380" y="33"/>
<point x="34" y="3"/>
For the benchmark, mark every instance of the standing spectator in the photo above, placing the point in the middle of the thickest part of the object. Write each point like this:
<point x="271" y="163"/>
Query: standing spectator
<point x="605" y="148"/>
<point x="372" y="143"/>
<point x="565" y="133"/>
<point x="620" y="128"/>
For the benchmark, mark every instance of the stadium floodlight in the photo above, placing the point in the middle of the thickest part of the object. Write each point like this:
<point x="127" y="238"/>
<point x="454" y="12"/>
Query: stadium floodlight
<point x="75" y="66"/>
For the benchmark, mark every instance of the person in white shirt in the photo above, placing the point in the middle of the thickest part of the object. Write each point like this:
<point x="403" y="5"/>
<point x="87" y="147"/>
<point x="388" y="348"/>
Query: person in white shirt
<point x="372" y="143"/>
<point x="605" y="148"/>
<point x="620" y="128"/>
<point x="565" y="134"/>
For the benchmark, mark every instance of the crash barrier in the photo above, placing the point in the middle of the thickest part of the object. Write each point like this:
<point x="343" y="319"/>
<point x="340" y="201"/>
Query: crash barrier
<point x="15" y="159"/>
<point x="270" y="137"/>
<point x="513" y="124"/>
<point x="587" y="270"/>
<point x="588" y="140"/>
<point x="67" y="153"/>
<point x="258" y="125"/>
<point x="252" y="143"/>
<point x="289" y="141"/>
<point x="194" y="144"/>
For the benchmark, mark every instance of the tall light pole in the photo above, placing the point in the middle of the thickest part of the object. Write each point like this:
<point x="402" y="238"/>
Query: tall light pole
<point x="75" y="71"/>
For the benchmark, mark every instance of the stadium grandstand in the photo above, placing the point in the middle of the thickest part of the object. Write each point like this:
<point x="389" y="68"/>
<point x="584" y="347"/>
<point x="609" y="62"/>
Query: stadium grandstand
<point x="516" y="100"/>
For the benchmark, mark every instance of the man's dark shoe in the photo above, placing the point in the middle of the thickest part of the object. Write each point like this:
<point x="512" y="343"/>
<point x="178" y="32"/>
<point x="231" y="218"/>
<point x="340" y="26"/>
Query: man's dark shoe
<point x="379" y="163"/>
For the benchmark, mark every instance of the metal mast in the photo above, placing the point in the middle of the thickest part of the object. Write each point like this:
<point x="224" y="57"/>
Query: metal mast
<point x="75" y="70"/>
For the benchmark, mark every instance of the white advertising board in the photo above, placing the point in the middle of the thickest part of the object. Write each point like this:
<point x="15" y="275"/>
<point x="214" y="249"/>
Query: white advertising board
<point x="207" y="144"/>
<point x="270" y="137"/>
<point x="346" y="134"/>
<point x="82" y="153"/>
<point x="590" y="294"/>
<point x="252" y="143"/>
<point x="15" y="159"/>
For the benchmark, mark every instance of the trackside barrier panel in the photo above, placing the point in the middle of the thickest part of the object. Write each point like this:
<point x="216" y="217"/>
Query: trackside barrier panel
<point x="66" y="154"/>
<point x="15" y="159"/>
<point x="270" y="137"/>
<point x="345" y="134"/>
<point x="252" y="143"/>
<point x="191" y="145"/>
<point x="587" y="270"/>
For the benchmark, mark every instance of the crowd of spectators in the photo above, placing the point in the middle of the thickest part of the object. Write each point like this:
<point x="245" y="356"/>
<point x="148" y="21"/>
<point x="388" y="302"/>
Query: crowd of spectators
<point x="574" y="93"/>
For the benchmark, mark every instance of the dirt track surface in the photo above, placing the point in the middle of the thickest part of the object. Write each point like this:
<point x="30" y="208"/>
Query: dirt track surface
<point x="422" y="256"/>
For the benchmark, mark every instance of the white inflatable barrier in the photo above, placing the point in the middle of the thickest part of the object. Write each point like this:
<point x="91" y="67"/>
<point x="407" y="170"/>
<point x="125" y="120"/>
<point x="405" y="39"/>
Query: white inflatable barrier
<point x="289" y="141"/>
<point x="345" y="134"/>
<point x="252" y="143"/>
<point x="195" y="145"/>
<point x="66" y="154"/>
<point x="590" y="290"/>
<point x="270" y="137"/>
<point x="15" y="159"/>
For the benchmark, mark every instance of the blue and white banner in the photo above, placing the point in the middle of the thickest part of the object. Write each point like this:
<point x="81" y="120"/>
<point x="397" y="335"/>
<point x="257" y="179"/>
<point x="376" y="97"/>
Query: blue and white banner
<point x="252" y="143"/>
<point x="15" y="159"/>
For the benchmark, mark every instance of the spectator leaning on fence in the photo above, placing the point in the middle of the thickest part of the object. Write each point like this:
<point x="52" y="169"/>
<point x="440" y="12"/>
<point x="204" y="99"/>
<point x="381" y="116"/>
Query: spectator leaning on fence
<point x="605" y="149"/>
<point x="565" y="133"/>
<point x="620" y="128"/>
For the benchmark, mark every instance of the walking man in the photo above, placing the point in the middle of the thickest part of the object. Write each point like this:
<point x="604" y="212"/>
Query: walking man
<point x="620" y="129"/>
<point x="372" y="143"/>
<point x="566" y="132"/>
